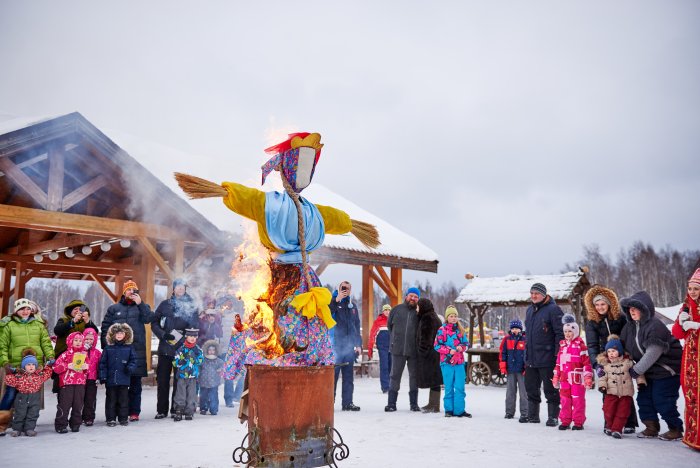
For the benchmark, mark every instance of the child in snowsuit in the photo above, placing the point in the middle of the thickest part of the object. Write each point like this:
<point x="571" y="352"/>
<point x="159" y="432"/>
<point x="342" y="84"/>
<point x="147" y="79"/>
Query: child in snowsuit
<point x="71" y="384"/>
<point x="451" y="342"/>
<point x="28" y="400"/>
<point x="512" y="364"/>
<point x="210" y="378"/>
<point x="93" y="360"/>
<point x="187" y="363"/>
<point x="616" y="384"/>
<point x="572" y="376"/>
<point x="117" y="363"/>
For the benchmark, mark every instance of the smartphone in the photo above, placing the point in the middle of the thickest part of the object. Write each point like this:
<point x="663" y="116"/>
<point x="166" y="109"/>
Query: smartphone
<point x="83" y="308"/>
<point x="136" y="291"/>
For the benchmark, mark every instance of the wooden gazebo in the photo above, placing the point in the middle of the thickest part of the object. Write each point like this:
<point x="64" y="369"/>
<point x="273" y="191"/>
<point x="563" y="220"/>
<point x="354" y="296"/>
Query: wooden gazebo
<point x="74" y="205"/>
<point x="514" y="291"/>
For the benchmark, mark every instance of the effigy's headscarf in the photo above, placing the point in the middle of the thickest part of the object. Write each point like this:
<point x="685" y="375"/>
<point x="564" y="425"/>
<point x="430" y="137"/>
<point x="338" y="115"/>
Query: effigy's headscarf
<point x="296" y="158"/>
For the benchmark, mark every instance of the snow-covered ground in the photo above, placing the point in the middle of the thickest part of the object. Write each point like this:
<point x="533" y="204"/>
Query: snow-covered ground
<point x="375" y="438"/>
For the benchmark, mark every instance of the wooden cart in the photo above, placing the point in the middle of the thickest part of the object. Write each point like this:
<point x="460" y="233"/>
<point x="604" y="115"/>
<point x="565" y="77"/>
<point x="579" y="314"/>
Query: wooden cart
<point x="482" y="367"/>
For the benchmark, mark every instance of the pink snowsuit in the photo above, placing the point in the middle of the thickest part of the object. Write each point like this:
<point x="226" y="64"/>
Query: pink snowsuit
<point x="573" y="369"/>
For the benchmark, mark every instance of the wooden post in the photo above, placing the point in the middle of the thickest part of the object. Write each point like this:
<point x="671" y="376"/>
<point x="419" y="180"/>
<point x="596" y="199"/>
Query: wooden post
<point x="472" y="314"/>
<point x="397" y="280"/>
<point x="19" y="280"/>
<point x="6" y="276"/>
<point x="149" y="285"/>
<point x="367" y="303"/>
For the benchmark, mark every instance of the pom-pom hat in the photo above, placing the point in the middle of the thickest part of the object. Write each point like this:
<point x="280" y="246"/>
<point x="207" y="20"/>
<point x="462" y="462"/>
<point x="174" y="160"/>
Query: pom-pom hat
<point x="570" y="324"/>
<point x="614" y="343"/>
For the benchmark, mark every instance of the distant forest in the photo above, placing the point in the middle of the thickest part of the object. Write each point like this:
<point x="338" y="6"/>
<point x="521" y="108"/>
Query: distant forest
<point x="663" y="273"/>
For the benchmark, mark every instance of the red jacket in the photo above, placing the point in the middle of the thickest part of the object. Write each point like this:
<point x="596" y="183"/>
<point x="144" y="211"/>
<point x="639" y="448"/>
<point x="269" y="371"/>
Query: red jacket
<point x="379" y="322"/>
<point x="28" y="383"/>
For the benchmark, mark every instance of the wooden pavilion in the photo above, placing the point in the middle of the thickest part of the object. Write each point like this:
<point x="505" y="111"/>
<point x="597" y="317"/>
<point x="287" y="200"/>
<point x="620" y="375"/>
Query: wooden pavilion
<point x="74" y="205"/>
<point x="514" y="291"/>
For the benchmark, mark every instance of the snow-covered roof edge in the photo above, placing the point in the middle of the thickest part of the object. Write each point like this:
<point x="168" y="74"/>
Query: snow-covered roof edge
<point x="516" y="288"/>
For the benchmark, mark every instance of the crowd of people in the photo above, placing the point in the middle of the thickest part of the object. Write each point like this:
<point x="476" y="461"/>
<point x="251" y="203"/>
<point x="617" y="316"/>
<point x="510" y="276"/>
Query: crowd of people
<point x="189" y="349"/>
<point x="626" y="346"/>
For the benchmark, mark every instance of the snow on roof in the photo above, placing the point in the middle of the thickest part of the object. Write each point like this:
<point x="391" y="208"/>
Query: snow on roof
<point x="516" y="288"/>
<point x="670" y="313"/>
<point x="162" y="161"/>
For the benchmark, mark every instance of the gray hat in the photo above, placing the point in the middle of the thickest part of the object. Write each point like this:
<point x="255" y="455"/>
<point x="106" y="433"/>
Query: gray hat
<point x="540" y="288"/>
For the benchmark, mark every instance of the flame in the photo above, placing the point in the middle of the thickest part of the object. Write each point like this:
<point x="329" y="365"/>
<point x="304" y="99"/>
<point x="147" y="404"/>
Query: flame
<point x="251" y="272"/>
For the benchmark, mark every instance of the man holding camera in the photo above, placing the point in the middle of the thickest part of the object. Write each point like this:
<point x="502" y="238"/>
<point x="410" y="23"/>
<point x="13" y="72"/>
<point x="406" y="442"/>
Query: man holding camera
<point x="347" y="341"/>
<point x="76" y="318"/>
<point x="134" y="312"/>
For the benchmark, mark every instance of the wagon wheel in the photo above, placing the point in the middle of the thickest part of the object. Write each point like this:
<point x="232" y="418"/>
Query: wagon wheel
<point x="480" y="373"/>
<point x="499" y="378"/>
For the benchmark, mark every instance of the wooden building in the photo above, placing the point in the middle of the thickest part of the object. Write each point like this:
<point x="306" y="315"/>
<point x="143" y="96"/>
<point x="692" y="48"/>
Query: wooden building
<point x="74" y="205"/>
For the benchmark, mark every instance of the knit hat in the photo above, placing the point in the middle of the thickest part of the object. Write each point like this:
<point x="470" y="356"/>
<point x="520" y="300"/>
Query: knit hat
<point x="386" y="307"/>
<point x="179" y="282"/>
<point x="515" y="323"/>
<point x="22" y="303"/>
<point x="570" y="324"/>
<point x="451" y="310"/>
<point x="129" y="284"/>
<point x="695" y="279"/>
<point x="614" y="342"/>
<point x="191" y="332"/>
<point x="413" y="290"/>
<point x="29" y="359"/>
<point x="600" y="297"/>
<point x="540" y="288"/>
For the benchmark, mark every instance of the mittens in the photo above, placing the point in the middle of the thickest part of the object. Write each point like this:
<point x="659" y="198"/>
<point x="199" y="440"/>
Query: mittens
<point x="555" y="381"/>
<point x="600" y="372"/>
<point x="633" y="373"/>
<point x="602" y="390"/>
<point x="168" y="337"/>
<point x="503" y="367"/>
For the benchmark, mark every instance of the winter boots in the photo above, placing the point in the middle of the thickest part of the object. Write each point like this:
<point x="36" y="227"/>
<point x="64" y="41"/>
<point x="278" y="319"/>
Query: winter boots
<point x="5" y="420"/>
<point x="553" y="414"/>
<point x="533" y="411"/>
<point x="433" y="405"/>
<point x="651" y="431"/>
<point x="391" y="404"/>
<point x="673" y="433"/>
<point x="413" y="400"/>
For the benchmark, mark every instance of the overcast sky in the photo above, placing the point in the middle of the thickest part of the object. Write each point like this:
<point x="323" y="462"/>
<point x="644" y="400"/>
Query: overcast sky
<point x="503" y="135"/>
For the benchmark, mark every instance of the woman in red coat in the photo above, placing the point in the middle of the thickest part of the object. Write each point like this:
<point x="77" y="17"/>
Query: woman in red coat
<point x="687" y="327"/>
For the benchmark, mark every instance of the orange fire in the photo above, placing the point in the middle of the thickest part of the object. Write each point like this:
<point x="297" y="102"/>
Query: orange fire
<point x="251" y="272"/>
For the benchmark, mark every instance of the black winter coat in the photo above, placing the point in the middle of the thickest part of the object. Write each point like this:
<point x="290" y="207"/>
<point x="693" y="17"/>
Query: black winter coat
<point x="402" y="325"/>
<point x="597" y="335"/>
<point x="428" y="373"/>
<point x="136" y="316"/>
<point x="544" y="332"/>
<point x="117" y="363"/>
<point x="165" y="321"/>
<point x="637" y="336"/>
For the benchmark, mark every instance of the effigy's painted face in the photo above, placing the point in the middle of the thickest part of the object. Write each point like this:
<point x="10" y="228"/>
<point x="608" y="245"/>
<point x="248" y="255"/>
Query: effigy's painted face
<point x="305" y="167"/>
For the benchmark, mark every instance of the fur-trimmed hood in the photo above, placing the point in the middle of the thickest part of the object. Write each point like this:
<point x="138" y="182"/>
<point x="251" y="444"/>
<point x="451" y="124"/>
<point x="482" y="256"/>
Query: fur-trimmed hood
<point x="597" y="289"/>
<point x="213" y="343"/>
<point x="642" y="301"/>
<point x="117" y="327"/>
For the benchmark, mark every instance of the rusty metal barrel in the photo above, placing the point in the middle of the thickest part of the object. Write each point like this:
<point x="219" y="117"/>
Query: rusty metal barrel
<point x="290" y="416"/>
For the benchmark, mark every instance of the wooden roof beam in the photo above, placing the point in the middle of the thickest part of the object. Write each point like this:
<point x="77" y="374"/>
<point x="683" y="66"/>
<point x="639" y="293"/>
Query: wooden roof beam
<point x="30" y="218"/>
<point x="22" y="180"/>
<point x="28" y="162"/>
<point x="160" y="261"/>
<point x="84" y="265"/>
<point x="79" y="194"/>
<point x="62" y="242"/>
<point x="56" y="174"/>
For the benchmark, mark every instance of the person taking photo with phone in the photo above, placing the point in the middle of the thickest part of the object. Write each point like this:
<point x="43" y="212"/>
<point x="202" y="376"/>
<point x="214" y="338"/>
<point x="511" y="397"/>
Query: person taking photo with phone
<point x="76" y="318"/>
<point x="347" y="342"/>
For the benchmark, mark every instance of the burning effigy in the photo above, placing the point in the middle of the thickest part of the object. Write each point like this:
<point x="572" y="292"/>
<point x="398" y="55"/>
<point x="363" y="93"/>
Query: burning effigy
<point x="287" y="318"/>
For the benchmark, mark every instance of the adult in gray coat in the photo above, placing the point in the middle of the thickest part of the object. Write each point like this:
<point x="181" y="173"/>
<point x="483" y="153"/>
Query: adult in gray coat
<point x="402" y="323"/>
